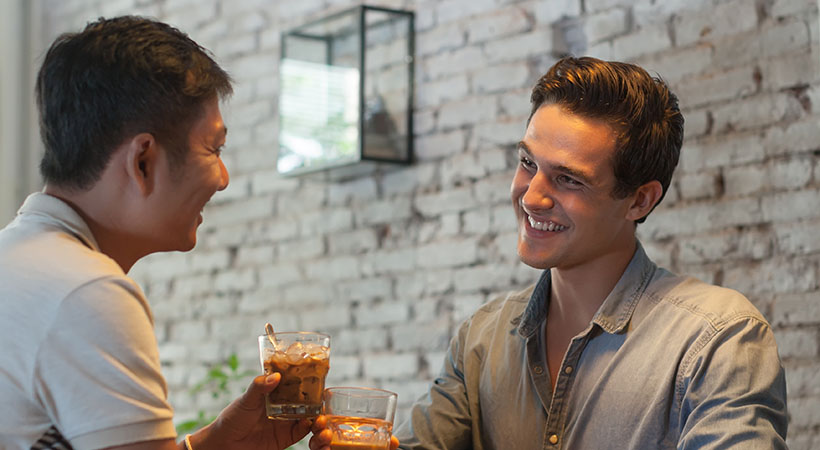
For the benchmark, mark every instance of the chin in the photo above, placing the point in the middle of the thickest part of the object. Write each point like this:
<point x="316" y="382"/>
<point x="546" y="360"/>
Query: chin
<point x="532" y="259"/>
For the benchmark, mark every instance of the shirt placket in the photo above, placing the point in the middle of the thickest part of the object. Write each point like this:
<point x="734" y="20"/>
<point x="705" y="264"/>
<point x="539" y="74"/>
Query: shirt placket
<point x="556" y="414"/>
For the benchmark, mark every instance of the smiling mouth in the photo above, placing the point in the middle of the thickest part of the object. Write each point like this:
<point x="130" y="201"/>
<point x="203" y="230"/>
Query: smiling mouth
<point x="545" y="226"/>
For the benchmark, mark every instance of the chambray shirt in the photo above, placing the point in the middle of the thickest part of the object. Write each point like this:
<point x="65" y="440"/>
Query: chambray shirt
<point x="667" y="362"/>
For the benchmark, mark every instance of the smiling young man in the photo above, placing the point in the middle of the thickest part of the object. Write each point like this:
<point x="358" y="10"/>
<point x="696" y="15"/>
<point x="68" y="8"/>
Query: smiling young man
<point x="130" y="119"/>
<point x="606" y="350"/>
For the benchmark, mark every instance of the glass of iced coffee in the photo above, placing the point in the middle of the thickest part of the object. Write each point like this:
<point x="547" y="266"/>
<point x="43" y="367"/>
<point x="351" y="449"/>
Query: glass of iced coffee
<point x="303" y="359"/>
<point x="359" y="418"/>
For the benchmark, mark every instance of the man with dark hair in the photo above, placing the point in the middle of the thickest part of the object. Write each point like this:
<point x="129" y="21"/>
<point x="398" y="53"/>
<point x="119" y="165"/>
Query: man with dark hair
<point x="606" y="350"/>
<point x="129" y="114"/>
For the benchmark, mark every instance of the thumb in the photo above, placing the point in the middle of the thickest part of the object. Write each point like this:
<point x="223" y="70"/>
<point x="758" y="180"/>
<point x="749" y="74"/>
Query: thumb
<point x="262" y="385"/>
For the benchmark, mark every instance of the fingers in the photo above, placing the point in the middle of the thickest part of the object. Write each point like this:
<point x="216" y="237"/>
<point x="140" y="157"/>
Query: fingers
<point x="321" y="440"/>
<point x="394" y="442"/>
<point x="319" y="424"/>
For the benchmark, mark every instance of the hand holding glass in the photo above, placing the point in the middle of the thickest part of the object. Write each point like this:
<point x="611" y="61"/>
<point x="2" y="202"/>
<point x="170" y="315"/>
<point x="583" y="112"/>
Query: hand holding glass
<point x="359" y="418"/>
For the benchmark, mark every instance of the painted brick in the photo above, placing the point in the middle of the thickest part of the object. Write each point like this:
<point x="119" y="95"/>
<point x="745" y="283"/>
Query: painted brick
<point x="698" y="185"/>
<point x="476" y="222"/>
<point x="235" y="280"/>
<point x="459" y="199"/>
<point x="439" y="144"/>
<point x="501" y="132"/>
<point x="326" y="221"/>
<point x="771" y="276"/>
<point x="461" y="167"/>
<point x="647" y="40"/>
<point x="797" y="343"/>
<point x="606" y="24"/>
<point x="431" y="336"/>
<point x="449" y="36"/>
<point x="467" y="111"/>
<point x="520" y="46"/>
<point x="366" y="289"/>
<point x="336" y="268"/>
<point x="434" y="93"/>
<point x="781" y="207"/>
<point x="717" y="87"/>
<point x="386" y="211"/>
<point x="459" y="9"/>
<point x="382" y="313"/>
<point x="501" y="78"/>
<point x="553" y="11"/>
<point x="239" y="211"/>
<point x="359" y="190"/>
<point x="728" y="150"/>
<point x="797" y="309"/>
<point x="473" y="279"/>
<point x="390" y="365"/>
<point x="797" y="137"/>
<point x="367" y="338"/>
<point x="497" y="24"/>
<point x="792" y="70"/>
<point x="343" y="367"/>
<point x="409" y="179"/>
<point x="784" y="8"/>
<point x="727" y="18"/>
<point x="327" y="318"/>
<point x="799" y="238"/>
<point x="447" y="254"/>
<point x="755" y="112"/>
<point x="353" y="242"/>
<point x="465" y="59"/>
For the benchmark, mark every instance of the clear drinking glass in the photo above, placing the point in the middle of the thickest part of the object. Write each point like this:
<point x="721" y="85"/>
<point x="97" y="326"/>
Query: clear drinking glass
<point x="303" y="359"/>
<point x="360" y="418"/>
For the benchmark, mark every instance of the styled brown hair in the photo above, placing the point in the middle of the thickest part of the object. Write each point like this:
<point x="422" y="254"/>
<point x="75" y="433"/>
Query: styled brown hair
<point x="640" y="108"/>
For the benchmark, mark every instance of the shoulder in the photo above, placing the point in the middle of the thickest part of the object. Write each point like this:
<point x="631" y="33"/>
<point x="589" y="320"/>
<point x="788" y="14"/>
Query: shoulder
<point x="715" y="305"/>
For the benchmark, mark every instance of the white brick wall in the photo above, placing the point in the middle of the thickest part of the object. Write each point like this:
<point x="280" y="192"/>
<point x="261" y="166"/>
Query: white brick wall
<point x="390" y="264"/>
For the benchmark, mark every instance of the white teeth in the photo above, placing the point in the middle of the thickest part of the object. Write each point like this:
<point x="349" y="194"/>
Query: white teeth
<point x="545" y="226"/>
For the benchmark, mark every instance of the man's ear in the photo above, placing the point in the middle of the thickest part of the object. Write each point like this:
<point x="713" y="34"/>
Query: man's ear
<point x="141" y="161"/>
<point x="644" y="199"/>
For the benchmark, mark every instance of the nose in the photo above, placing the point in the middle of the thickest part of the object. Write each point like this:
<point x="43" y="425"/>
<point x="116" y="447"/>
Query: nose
<point x="224" y="176"/>
<point x="538" y="195"/>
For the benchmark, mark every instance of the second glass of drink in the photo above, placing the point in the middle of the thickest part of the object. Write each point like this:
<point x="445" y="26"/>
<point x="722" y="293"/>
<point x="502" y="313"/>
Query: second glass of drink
<point x="360" y="418"/>
<point x="303" y="359"/>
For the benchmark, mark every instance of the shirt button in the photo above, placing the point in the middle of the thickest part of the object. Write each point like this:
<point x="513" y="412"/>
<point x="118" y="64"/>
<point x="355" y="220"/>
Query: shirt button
<point x="554" y="439"/>
<point x="568" y="370"/>
<point x="538" y="370"/>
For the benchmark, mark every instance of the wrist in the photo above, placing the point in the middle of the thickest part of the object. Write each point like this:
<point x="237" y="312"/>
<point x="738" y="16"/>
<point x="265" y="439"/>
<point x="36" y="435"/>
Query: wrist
<point x="201" y="439"/>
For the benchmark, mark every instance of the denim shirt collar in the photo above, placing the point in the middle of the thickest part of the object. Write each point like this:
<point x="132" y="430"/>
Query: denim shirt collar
<point x="616" y="310"/>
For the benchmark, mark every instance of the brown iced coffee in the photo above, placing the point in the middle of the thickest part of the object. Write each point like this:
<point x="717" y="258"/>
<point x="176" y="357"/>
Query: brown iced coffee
<point x="303" y="361"/>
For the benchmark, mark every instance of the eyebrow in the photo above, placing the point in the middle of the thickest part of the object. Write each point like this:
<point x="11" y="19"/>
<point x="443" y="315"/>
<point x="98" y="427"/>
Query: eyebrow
<point x="522" y="146"/>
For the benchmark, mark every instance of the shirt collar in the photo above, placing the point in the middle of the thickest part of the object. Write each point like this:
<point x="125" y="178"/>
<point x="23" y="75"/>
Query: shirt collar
<point x="55" y="211"/>
<point x="616" y="310"/>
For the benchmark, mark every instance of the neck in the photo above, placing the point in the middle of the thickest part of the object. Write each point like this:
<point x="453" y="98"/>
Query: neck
<point x="106" y="227"/>
<point x="578" y="292"/>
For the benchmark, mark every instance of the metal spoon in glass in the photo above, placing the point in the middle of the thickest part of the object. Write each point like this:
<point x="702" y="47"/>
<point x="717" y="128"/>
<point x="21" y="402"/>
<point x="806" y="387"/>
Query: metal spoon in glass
<point x="269" y="332"/>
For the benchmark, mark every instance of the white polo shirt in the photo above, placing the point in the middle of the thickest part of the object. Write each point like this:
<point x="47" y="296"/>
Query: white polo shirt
<point x="78" y="356"/>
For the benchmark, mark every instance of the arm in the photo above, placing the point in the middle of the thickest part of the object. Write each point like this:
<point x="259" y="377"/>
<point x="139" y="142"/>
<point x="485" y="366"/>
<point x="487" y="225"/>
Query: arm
<point x="441" y="418"/>
<point x="99" y="375"/>
<point x="734" y="391"/>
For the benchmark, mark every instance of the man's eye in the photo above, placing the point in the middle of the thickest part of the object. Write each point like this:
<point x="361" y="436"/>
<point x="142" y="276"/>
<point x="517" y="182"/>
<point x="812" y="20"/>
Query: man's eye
<point x="563" y="179"/>
<point x="218" y="151"/>
<point x="526" y="162"/>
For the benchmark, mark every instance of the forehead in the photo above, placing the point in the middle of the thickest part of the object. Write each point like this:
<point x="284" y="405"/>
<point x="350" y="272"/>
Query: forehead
<point x="556" y="134"/>
<point x="209" y="125"/>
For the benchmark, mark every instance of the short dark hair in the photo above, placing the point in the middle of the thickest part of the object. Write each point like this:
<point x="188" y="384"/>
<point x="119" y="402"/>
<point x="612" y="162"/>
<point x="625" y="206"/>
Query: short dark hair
<point x="115" y="79"/>
<point x="639" y="107"/>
